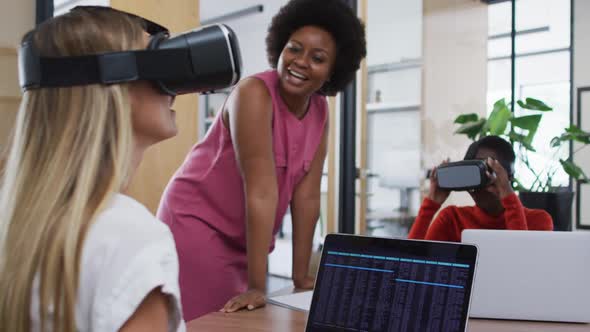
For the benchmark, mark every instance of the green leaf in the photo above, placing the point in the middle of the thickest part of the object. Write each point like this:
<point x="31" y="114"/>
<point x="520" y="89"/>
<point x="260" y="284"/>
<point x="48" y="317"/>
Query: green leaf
<point x="500" y="104"/>
<point x="573" y="129"/>
<point x="578" y="134"/>
<point x="528" y="146"/>
<point x="535" y="105"/>
<point x="573" y="170"/>
<point x="573" y="133"/>
<point x="556" y="141"/>
<point x="464" y="118"/>
<point x="516" y="137"/>
<point x="521" y="139"/>
<point x="529" y="123"/>
<point x="498" y="120"/>
<point x="471" y="129"/>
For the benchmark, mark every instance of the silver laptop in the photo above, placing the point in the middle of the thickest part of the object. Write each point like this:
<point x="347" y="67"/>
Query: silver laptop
<point x="531" y="275"/>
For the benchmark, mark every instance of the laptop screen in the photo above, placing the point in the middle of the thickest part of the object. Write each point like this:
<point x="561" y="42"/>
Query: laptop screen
<point x="374" y="284"/>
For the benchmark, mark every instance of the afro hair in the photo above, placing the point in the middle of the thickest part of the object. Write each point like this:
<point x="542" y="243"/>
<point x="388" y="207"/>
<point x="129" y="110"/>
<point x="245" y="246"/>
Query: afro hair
<point x="336" y="18"/>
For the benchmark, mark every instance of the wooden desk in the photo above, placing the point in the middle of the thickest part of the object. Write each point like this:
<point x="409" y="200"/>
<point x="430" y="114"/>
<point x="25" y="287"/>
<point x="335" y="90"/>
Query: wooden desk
<point x="274" y="318"/>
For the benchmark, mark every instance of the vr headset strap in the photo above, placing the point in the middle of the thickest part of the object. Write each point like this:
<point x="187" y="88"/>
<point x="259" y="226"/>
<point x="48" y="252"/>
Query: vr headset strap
<point x="106" y="68"/>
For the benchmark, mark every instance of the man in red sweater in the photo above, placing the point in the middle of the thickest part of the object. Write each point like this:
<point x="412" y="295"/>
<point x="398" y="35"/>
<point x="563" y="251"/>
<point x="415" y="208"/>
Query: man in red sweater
<point x="496" y="206"/>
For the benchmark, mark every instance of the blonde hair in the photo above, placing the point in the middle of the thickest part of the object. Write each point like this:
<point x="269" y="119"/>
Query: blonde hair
<point x="71" y="149"/>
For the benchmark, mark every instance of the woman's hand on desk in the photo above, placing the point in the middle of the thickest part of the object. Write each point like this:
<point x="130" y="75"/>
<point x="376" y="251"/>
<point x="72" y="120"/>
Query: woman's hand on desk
<point x="305" y="283"/>
<point x="250" y="300"/>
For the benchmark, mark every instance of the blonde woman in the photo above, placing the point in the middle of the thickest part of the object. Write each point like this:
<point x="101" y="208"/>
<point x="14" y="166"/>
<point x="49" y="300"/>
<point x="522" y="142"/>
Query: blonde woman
<point x="75" y="253"/>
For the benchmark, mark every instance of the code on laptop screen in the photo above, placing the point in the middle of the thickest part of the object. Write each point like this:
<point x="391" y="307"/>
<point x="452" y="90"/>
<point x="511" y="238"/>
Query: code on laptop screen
<point x="383" y="289"/>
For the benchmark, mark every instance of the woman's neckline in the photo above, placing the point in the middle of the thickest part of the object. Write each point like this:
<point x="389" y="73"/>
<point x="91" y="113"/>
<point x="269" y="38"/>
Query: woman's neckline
<point x="286" y="107"/>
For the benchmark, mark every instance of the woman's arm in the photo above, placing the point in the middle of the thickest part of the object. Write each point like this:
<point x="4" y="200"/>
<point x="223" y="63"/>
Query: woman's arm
<point x="249" y="114"/>
<point x="305" y="209"/>
<point x="514" y="216"/>
<point x="430" y="205"/>
<point x="444" y="228"/>
<point x="423" y="220"/>
<point x="151" y="315"/>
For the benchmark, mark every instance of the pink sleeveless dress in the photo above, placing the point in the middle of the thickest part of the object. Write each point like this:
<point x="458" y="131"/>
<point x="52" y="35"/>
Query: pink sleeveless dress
<point x="204" y="203"/>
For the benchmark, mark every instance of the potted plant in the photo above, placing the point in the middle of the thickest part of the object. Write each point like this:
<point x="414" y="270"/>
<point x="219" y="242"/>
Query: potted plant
<point x="541" y="191"/>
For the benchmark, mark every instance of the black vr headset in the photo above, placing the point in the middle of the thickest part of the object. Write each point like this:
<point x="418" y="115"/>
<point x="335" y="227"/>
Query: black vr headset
<point x="469" y="174"/>
<point x="463" y="175"/>
<point x="201" y="60"/>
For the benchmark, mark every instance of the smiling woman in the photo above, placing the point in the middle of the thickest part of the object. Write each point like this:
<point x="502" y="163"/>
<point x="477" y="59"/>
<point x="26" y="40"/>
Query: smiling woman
<point x="264" y="152"/>
<point x="305" y="66"/>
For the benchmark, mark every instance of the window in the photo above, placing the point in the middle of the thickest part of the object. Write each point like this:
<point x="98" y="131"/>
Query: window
<point x="542" y="69"/>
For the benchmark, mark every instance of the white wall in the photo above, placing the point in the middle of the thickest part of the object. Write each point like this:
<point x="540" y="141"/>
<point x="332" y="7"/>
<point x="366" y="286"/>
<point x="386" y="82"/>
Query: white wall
<point x="251" y="29"/>
<point x="15" y="19"/>
<point x="455" y="76"/>
<point x="394" y="31"/>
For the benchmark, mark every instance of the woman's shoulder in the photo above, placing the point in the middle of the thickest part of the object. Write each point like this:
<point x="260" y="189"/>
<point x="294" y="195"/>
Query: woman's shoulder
<point x="123" y="215"/>
<point x="126" y="254"/>
<point x="251" y="93"/>
<point x="254" y="85"/>
<point x="123" y="231"/>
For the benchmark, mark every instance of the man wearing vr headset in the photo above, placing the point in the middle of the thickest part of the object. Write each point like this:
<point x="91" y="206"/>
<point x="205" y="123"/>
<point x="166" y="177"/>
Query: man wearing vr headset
<point x="75" y="253"/>
<point x="496" y="204"/>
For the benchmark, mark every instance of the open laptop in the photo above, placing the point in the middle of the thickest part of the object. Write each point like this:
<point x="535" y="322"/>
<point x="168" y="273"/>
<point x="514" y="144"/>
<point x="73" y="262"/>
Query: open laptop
<point x="531" y="275"/>
<point x="375" y="284"/>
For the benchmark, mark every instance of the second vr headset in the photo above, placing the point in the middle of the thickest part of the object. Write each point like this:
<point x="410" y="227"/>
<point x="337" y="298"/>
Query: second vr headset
<point x="466" y="175"/>
<point x="201" y="60"/>
<point x="463" y="175"/>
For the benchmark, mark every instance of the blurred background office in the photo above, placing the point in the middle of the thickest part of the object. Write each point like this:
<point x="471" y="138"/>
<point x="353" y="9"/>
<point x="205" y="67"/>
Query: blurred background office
<point x="428" y="62"/>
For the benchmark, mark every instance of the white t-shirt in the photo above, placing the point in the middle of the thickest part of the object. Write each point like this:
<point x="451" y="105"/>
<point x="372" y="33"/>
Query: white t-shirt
<point x="127" y="253"/>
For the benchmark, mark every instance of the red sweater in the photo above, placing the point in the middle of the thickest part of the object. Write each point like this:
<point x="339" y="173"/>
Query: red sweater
<point x="452" y="220"/>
